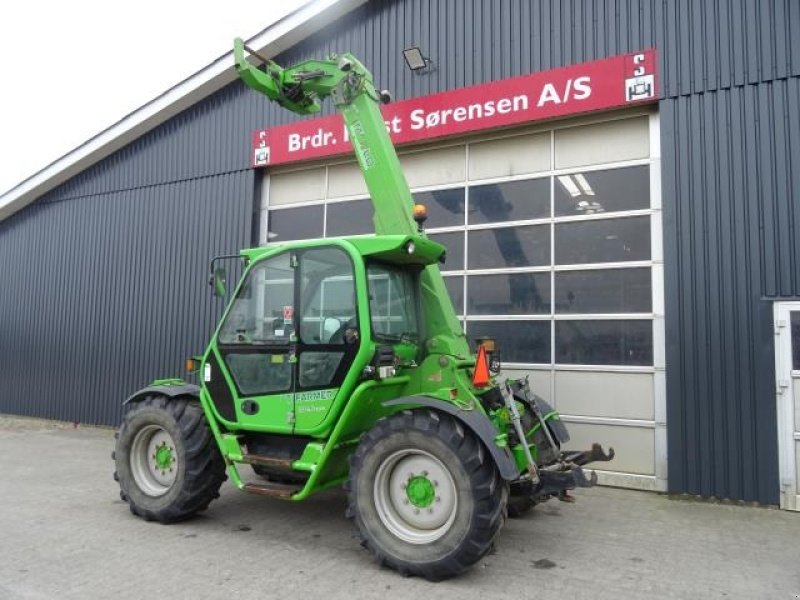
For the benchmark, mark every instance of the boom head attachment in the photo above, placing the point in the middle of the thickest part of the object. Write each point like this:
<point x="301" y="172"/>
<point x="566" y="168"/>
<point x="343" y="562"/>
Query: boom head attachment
<point x="301" y="88"/>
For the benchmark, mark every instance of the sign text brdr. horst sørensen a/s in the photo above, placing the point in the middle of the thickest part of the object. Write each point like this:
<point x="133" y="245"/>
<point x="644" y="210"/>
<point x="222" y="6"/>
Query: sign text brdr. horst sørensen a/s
<point x="609" y="83"/>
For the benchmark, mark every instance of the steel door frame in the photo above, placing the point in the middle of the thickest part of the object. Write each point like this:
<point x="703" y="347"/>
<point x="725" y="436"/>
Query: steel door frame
<point x="785" y="380"/>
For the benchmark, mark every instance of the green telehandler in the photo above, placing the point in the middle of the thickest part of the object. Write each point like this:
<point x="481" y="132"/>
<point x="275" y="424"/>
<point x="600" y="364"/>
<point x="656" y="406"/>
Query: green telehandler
<point x="341" y="361"/>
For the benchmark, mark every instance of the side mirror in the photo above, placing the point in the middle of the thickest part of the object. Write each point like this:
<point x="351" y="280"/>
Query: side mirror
<point x="218" y="282"/>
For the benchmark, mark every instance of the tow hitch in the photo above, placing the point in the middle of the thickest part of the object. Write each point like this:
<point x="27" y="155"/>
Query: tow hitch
<point x="579" y="458"/>
<point x="567" y="473"/>
<point x="557" y="479"/>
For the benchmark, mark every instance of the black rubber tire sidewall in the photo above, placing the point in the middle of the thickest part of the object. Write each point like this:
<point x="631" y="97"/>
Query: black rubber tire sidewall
<point x="200" y="467"/>
<point x="482" y="494"/>
<point x="423" y="553"/>
<point x="138" y="420"/>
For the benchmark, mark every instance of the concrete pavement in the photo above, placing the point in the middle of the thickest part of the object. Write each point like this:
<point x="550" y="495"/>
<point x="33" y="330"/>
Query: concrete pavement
<point x="64" y="533"/>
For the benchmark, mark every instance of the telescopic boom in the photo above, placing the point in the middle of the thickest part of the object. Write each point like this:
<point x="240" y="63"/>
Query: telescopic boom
<point x="301" y="88"/>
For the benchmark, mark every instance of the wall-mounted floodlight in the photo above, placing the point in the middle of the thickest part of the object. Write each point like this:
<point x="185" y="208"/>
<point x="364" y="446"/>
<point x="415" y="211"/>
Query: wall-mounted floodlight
<point x="415" y="60"/>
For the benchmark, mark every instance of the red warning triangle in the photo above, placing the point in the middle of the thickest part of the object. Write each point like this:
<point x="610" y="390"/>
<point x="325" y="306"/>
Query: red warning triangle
<point x="480" y="378"/>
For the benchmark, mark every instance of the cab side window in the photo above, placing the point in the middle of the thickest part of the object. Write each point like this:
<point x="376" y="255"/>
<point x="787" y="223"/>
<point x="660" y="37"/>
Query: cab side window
<point x="263" y="310"/>
<point x="328" y="296"/>
<point x="328" y="320"/>
<point x="254" y="337"/>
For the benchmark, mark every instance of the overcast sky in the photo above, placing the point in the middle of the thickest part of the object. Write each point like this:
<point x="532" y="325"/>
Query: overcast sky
<point x="69" y="69"/>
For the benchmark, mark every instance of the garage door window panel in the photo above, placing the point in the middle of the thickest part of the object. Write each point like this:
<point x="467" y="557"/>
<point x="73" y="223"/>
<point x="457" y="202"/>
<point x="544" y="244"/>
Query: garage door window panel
<point x="599" y="143"/>
<point x="345" y="180"/>
<point x="510" y="156"/>
<point x="509" y="294"/>
<point x="296" y="223"/>
<point x="518" y="341"/>
<point x="602" y="241"/>
<point x="445" y="207"/>
<point x="509" y="247"/>
<point x="520" y="200"/>
<point x="604" y="291"/>
<point x="593" y="192"/>
<point x="604" y="342"/>
<point x="435" y="167"/>
<point x="350" y="218"/>
<point x="296" y="187"/>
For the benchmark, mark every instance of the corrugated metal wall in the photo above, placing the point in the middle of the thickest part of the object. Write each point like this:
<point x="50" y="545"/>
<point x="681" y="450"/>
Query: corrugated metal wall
<point x="103" y="293"/>
<point x="731" y="218"/>
<point x="729" y="80"/>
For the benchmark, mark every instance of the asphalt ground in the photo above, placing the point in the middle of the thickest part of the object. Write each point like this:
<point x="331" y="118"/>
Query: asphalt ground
<point x="64" y="533"/>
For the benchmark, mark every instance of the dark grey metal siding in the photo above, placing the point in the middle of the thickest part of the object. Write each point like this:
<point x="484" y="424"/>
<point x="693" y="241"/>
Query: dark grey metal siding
<point x="731" y="218"/>
<point x="103" y="293"/>
<point x="729" y="79"/>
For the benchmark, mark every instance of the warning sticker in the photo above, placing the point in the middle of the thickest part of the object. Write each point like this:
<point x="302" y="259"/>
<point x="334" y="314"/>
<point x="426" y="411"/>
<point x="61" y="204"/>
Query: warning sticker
<point x="288" y="313"/>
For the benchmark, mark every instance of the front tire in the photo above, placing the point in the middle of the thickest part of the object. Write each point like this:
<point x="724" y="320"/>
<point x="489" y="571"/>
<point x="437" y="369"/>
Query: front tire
<point x="167" y="462"/>
<point x="425" y="495"/>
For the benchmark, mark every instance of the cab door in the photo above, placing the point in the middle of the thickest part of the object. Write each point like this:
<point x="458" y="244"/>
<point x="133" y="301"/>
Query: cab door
<point x="250" y="377"/>
<point x="328" y="335"/>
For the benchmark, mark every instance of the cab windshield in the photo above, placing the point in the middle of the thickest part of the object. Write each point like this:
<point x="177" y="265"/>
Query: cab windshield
<point x="392" y="303"/>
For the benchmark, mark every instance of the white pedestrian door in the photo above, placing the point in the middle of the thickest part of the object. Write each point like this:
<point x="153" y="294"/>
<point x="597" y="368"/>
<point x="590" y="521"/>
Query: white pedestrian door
<point x="787" y="387"/>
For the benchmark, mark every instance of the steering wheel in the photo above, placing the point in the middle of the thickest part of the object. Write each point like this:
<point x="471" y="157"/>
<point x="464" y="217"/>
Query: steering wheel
<point x="339" y="336"/>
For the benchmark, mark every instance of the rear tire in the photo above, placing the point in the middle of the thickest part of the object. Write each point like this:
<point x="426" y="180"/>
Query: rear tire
<point x="167" y="462"/>
<point x="425" y="494"/>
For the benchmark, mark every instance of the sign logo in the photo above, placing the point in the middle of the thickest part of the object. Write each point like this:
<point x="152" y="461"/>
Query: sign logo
<point x="260" y="148"/>
<point x="641" y="85"/>
<point x="598" y="85"/>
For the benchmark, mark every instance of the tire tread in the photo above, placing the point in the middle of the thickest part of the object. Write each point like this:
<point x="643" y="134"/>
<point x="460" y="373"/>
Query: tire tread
<point x="204" y="469"/>
<point x="490" y="491"/>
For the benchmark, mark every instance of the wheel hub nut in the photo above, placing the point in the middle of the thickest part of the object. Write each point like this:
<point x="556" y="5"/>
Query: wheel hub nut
<point x="420" y="492"/>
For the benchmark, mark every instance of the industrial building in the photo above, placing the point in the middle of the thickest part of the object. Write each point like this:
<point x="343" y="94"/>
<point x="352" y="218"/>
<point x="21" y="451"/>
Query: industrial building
<point x="615" y="182"/>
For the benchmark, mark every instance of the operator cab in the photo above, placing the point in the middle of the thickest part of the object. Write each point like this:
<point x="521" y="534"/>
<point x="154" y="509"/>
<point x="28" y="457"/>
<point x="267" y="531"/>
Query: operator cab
<point x="299" y="318"/>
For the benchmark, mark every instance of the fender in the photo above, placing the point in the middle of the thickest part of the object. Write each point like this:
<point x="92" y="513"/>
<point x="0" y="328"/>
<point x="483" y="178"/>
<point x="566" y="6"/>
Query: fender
<point x="477" y="422"/>
<point x="171" y="391"/>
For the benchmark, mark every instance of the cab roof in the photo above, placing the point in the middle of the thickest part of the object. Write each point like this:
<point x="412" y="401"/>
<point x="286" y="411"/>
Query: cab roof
<point x="396" y="249"/>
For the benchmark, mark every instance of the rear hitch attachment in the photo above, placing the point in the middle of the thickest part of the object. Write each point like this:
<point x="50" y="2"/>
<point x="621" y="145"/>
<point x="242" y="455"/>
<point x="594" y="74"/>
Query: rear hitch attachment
<point x="585" y="457"/>
<point x="557" y="483"/>
<point x="556" y="480"/>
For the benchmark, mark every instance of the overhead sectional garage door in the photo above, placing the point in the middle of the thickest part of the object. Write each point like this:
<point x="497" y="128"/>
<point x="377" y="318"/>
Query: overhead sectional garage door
<point x="554" y="249"/>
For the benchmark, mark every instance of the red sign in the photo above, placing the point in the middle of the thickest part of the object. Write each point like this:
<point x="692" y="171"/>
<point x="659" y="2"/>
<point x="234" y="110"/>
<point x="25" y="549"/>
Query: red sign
<point x="602" y="84"/>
